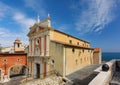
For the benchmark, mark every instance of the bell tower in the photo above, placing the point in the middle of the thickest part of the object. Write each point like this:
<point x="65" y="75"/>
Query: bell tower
<point x="17" y="45"/>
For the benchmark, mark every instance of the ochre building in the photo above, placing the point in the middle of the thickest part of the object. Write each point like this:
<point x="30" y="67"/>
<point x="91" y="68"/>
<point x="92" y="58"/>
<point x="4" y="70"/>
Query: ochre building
<point x="17" y="47"/>
<point x="13" y="62"/>
<point x="53" y="50"/>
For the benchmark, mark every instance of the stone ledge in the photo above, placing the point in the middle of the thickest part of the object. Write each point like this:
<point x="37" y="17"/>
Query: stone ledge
<point x="101" y="79"/>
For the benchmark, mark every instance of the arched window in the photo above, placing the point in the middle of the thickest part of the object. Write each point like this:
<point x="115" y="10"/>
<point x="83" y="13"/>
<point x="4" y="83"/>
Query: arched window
<point x="70" y="41"/>
<point x="37" y="42"/>
<point x="37" y="52"/>
<point x="52" y="62"/>
<point x="73" y="50"/>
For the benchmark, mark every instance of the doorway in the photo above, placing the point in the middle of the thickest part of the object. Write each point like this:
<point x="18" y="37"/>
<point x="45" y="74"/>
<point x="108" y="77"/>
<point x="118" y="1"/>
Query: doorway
<point x="38" y="70"/>
<point x="17" y="70"/>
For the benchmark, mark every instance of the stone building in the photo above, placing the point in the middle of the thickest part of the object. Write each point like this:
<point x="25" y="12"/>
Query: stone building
<point x="13" y="61"/>
<point x="97" y="56"/>
<point x="51" y="49"/>
<point x="12" y="64"/>
<point x="17" y="47"/>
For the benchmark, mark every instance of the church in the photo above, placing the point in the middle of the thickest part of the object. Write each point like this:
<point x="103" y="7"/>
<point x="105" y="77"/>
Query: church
<point x="51" y="50"/>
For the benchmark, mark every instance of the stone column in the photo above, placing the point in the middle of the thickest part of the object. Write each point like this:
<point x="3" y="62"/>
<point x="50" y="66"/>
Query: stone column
<point x="47" y="45"/>
<point x="42" y="46"/>
<point x="6" y="78"/>
<point x="2" y="75"/>
<point x="32" y="47"/>
<point x="34" y="71"/>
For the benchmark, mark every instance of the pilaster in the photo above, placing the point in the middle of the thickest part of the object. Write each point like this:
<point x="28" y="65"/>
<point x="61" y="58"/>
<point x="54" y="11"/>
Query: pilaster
<point x="47" y="45"/>
<point x="42" y="46"/>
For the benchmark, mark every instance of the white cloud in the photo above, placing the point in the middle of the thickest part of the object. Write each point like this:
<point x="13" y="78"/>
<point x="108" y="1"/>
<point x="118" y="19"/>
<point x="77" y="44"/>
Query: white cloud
<point x="7" y="37"/>
<point x="95" y="16"/>
<point x="63" y="27"/>
<point x="37" y="5"/>
<point x="4" y="10"/>
<point x="25" y="22"/>
<point x="3" y="32"/>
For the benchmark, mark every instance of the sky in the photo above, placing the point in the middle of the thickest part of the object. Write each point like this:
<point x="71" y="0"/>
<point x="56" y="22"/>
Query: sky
<point x="96" y="21"/>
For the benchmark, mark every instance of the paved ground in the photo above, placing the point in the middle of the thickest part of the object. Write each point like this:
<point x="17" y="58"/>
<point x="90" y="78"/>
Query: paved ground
<point x="14" y="81"/>
<point x="84" y="75"/>
<point x="51" y="80"/>
<point x="80" y="77"/>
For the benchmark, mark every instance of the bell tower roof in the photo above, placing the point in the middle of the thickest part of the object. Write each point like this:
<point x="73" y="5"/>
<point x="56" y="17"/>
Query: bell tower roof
<point x="17" y="40"/>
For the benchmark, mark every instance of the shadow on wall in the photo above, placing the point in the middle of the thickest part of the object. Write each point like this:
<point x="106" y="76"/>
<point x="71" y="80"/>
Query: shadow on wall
<point x="18" y="70"/>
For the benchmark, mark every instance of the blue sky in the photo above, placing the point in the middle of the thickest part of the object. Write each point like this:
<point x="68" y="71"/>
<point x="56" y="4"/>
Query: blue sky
<point x="97" y="21"/>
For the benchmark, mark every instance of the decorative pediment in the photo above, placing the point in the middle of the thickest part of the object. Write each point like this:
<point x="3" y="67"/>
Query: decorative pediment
<point x="35" y="29"/>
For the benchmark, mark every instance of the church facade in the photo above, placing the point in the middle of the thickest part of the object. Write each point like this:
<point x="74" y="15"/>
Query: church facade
<point x="53" y="50"/>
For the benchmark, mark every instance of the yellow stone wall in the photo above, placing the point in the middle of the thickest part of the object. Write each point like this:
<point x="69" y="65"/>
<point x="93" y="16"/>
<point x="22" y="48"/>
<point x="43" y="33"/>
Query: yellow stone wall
<point x="97" y="58"/>
<point x="77" y="58"/>
<point x="65" y="60"/>
<point x="31" y="66"/>
<point x="73" y="61"/>
<point x="54" y="35"/>
<point x="69" y="59"/>
<point x="56" y="54"/>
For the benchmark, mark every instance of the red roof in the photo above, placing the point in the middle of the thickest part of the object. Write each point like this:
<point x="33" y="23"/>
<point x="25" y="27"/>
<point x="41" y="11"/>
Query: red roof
<point x="72" y="45"/>
<point x="97" y="49"/>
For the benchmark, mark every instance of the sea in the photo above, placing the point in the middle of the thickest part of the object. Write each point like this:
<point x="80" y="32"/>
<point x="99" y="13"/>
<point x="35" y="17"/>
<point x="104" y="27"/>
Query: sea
<point x="106" y="56"/>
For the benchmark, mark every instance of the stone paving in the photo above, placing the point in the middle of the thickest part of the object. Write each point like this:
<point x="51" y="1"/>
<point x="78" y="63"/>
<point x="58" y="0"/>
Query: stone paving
<point x="51" y="80"/>
<point x="14" y="81"/>
<point x="80" y="77"/>
<point x="83" y="76"/>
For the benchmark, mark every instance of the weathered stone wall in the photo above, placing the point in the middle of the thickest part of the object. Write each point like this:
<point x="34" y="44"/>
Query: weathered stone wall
<point x="77" y="58"/>
<point x="10" y="60"/>
<point x="56" y="57"/>
<point x="97" y="56"/>
<point x="67" y="39"/>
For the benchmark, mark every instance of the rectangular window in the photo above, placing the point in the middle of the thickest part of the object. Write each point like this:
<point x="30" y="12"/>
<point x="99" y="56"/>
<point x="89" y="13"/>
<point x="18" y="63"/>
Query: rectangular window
<point x="18" y="45"/>
<point x="70" y="41"/>
<point x="73" y="50"/>
<point x="77" y="43"/>
<point x="83" y="50"/>
<point x="79" y="53"/>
